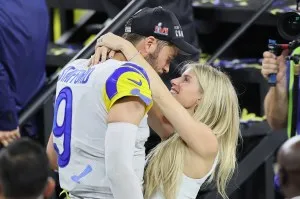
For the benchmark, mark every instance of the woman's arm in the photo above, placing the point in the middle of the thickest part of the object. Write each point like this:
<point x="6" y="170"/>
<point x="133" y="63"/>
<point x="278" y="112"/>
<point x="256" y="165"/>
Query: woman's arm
<point x="198" y="136"/>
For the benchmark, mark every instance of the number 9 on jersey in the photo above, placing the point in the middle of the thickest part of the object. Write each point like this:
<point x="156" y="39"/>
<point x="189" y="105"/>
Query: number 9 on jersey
<point x="62" y="125"/>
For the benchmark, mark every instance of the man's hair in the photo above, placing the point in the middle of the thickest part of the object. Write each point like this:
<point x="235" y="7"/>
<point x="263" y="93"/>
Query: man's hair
<point x="135" y="38"/>
<point x="24" y="169"/>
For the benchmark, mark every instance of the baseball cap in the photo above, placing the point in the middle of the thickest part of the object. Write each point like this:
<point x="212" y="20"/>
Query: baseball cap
<point x="161" y="24"/>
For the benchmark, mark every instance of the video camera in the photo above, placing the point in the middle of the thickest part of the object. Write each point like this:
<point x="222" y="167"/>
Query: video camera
<point x="288" y="26"/>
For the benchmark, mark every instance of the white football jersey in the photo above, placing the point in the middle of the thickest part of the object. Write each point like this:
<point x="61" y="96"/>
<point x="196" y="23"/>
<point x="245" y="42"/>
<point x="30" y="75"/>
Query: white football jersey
<point x="83" y="97"/>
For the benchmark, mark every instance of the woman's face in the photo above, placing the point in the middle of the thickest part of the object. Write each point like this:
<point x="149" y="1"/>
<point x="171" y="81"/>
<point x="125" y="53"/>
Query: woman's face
<point x="186" y="89"/>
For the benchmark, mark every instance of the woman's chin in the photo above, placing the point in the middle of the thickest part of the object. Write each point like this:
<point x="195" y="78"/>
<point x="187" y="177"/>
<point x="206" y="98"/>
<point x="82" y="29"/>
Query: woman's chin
<point x="175" y="95"/>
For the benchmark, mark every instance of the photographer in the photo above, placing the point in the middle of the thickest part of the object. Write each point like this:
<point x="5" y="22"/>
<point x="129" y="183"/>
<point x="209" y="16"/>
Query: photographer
<point x="282" y="61"/>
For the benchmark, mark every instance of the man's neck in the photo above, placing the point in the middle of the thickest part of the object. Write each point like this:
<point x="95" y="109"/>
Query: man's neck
<point x="119" y="56"/>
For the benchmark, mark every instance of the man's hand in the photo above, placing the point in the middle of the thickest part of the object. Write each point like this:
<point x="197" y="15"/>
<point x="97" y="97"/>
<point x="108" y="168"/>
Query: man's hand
<point x="272" y="64"/>
<point x="276" y="102"/>
<point x="7" y="137"/>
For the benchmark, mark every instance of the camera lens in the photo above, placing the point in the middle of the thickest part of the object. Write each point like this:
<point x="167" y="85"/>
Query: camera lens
<point x="289" y="25"/>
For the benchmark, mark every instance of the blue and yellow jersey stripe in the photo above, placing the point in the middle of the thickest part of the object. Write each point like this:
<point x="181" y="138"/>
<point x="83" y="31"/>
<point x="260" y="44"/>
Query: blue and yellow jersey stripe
<point x="128" y="80"/>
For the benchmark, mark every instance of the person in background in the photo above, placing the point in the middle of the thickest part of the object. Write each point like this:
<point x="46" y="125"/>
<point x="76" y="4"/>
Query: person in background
<point x="24" y="27"/>
<point x="24" y="171"/>
<point x="288" y="159"/>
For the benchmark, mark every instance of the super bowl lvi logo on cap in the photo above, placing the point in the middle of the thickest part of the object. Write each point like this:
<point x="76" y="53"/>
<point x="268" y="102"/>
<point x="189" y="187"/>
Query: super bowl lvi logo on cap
<point x="161" y="30"/>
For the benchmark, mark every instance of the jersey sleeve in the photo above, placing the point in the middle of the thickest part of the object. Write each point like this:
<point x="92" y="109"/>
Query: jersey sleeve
<point x="127" y="80"/>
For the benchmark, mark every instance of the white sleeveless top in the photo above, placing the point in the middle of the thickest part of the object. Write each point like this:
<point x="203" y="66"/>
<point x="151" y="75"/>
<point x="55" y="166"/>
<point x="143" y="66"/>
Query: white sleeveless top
<point x="189" y="187"/>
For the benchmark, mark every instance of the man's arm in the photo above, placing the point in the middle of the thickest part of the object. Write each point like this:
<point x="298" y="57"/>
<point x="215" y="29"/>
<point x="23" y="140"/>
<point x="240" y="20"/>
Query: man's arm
<point x="8" y="112"/>
<point x="159" y="123"/>
<point x="52" y="156"/>
<point x="276" y="107"/>
<point x="123" y="120"/>
<point x="276" y="100"/>
<point x="127" y="97"/>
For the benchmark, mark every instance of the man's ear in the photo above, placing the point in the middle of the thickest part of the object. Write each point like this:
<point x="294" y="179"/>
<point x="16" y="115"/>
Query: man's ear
<point x="50" y="187"/>
<point x="150" y="44"/>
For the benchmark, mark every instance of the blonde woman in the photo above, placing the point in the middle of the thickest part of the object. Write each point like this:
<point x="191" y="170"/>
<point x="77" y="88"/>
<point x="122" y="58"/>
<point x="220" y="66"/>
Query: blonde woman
<point x="201" y="116"/>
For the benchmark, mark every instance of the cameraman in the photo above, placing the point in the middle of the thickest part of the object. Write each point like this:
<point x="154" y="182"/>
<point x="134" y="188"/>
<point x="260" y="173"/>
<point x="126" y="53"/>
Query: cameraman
<point x="276" y="101"/>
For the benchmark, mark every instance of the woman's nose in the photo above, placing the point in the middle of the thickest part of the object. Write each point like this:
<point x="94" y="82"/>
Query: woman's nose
<point x="174" y="82"/>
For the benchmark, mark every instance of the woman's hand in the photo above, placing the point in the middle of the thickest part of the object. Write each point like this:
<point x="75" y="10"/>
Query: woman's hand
<point x="108" y="44"/>
<point x="113" y="42"/>
<point x="102" y="53"/>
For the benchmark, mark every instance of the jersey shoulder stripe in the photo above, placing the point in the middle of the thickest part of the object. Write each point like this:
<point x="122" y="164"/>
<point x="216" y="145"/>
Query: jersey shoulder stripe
<point x="127" y="80"/>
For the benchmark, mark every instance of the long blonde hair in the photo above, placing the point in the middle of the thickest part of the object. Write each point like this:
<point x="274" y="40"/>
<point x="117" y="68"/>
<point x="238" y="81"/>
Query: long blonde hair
<point x="220" y="111"/>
